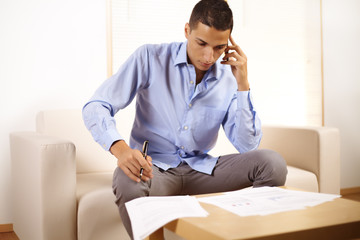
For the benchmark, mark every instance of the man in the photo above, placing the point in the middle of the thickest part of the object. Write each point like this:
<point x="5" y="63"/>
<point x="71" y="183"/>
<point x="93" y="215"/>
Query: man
<point x="185" y="92"/>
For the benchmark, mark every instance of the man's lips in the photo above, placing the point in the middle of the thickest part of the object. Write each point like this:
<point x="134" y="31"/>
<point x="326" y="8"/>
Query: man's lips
<point x="206" y="64"/>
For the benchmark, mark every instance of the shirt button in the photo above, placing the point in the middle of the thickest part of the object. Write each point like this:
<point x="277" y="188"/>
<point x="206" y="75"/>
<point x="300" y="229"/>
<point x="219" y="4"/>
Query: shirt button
<point x="182" y="147"/>
<point x="191" y="82"/>
<point x="190" y="105"/>
<point x="186" y="128"/>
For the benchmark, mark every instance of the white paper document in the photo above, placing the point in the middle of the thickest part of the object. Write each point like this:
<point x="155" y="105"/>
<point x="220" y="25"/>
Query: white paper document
<point x="266" y="200"/>
<point x="147" y="214"/>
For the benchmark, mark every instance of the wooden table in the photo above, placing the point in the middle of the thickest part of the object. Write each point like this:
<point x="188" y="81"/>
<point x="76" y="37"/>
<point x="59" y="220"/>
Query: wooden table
<point x="338" y="219"/>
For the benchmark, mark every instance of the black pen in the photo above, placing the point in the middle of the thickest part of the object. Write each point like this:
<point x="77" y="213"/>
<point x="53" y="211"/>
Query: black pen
<point x="144" y="152"/>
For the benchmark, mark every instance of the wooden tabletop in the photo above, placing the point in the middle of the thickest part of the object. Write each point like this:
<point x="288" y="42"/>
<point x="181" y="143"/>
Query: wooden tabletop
<point x="338" y="219"/>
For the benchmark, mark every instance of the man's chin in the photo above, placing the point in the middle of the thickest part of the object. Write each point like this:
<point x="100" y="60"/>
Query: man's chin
<point x="204" y="67"/>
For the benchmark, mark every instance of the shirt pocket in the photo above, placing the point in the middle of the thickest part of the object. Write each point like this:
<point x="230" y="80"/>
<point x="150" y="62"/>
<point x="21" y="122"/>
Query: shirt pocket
<point x="206" y="127"/>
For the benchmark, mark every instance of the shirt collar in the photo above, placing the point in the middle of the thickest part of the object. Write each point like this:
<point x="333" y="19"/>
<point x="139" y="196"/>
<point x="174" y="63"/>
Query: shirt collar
<point x="212" y="74"/>
<point x="181" y="56"/>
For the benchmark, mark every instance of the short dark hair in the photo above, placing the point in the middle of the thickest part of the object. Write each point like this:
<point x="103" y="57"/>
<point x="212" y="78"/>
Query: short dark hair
<point x="213" y="13"/>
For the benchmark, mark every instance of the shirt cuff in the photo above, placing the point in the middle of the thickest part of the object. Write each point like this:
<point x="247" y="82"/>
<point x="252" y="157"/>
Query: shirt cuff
<point x="108" y="138"/>
<point x="243" y="100"/>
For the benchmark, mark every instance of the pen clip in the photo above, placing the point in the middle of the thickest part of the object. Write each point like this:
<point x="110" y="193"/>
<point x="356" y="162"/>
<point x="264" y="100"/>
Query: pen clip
<point x="145" y="148"/>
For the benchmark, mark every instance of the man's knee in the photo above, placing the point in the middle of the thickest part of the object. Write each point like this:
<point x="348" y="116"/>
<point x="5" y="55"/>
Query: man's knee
<point x="125" y="189"/>
<point x="275" y="170"/>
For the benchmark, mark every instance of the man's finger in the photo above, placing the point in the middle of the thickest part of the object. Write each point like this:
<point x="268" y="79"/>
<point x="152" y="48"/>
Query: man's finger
<point x="232" y="41"/>
<point x="235" y="47"/>
<point x="234" y="58"/>
<point x="233" y="55"/>
<point x="147" y="175"/>
<point x="143" y="163"/>
<point x="149" y="160"/>
<point x="130" y="174"/>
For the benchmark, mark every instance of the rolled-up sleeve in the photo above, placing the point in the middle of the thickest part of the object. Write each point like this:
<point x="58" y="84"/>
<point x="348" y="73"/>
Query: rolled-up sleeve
<point x="114" y="94"/>
<point x="101" y="123"/>
<point x="243" y="125"/>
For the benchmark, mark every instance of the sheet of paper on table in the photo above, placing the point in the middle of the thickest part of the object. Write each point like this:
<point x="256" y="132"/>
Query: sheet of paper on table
<point x="266" y="200"/>
<point x="147" y="214"/>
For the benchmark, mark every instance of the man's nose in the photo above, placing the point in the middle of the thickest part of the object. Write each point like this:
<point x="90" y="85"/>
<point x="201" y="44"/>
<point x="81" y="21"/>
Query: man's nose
<point x="209" y="55"/>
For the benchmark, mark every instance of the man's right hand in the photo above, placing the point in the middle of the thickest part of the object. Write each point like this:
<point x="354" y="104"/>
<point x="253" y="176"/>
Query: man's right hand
<point x="131" y="161"/>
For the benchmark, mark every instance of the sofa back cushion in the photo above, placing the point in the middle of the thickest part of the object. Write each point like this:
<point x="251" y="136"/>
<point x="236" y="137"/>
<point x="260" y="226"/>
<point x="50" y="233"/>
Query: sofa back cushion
<point x="68" y="124"/>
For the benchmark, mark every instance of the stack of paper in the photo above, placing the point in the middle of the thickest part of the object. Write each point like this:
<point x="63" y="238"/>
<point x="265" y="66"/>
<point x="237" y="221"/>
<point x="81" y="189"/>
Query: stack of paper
<point x="266" y="200"/>
<point x="147" y="214"/>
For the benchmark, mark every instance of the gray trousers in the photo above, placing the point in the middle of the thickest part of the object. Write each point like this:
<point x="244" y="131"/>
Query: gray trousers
<point x="232" y="172"/>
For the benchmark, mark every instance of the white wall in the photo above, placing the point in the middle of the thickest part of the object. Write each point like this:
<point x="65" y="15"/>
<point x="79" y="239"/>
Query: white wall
<point x="52" y="55"/>
<point x="341" y="31"/>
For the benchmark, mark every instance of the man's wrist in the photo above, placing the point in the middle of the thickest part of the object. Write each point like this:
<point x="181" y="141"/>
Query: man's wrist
<point x="243" y="86"/>
<point x="118" y="146"/>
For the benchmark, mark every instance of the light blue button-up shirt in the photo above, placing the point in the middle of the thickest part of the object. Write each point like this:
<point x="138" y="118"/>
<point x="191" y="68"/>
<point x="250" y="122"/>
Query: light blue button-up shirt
<point x="180" y="119"/>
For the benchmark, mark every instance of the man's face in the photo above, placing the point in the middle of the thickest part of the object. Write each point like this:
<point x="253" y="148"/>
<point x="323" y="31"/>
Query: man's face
<point x="205" y="45"/>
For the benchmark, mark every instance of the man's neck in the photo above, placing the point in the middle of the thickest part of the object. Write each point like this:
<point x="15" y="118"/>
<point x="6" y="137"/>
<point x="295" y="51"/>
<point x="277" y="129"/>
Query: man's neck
<point x="199" y="75"/>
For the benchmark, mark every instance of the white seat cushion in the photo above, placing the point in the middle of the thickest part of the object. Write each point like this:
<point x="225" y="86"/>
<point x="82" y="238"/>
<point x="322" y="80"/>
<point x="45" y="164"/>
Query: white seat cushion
<point x="98" y="215"/>
<point x="301" y="179"/>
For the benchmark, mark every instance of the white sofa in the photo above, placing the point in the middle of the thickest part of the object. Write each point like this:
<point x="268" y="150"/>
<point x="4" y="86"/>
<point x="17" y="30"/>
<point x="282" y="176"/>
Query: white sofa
<point x="62" y="178"/>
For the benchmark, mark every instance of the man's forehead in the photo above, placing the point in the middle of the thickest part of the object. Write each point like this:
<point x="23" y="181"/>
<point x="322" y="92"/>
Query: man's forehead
<point x="210" y="35"/>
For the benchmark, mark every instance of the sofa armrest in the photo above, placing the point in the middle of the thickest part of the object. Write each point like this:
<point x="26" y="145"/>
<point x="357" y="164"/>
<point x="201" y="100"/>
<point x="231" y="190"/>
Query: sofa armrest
<point x="44" y="186"/>
<point x="315" y="149"/>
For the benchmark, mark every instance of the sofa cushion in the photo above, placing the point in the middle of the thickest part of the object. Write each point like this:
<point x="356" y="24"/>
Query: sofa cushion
<point x="98" y="215"/>
<point x="88" y="182"/>
<point x="302" y="179"/>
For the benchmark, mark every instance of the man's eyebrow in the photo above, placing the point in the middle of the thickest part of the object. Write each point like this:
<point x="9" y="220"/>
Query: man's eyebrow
<point x="202" y="41"/>
<point x="222" y="45"/>
<point x="199" y="39"/>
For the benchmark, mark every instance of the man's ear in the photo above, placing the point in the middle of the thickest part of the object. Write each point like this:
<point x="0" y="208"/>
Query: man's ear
<point x="187" y="30"/>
